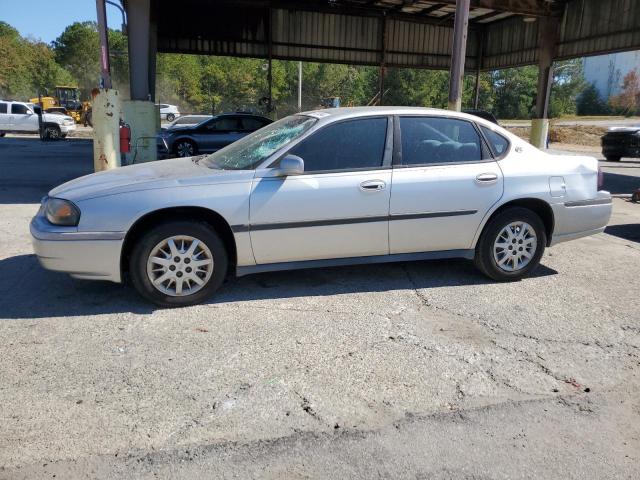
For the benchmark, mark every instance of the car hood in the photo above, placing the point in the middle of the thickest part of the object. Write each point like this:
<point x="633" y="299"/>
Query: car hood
<point x="55" y="117"/>
<point x="146" y="176"/>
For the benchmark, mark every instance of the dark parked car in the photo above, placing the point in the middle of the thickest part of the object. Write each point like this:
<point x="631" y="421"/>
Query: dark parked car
<point x="209" y="135"/>
<point x="482" y="114"/>
<point x="621" y="142"/>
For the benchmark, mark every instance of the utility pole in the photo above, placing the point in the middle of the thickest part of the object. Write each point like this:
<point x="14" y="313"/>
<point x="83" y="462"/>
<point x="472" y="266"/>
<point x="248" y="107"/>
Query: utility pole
<point x="299" y="86"/>
<point x="105" y="67"/>
<point x="456" y="73"/>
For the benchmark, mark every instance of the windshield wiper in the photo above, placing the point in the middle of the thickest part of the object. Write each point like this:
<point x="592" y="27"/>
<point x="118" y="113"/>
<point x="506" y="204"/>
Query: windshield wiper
<point x="196" y="159"/>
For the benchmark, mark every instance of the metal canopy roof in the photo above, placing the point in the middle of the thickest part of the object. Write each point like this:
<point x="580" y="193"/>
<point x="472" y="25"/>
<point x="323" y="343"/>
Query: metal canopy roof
<point x="396" y="33"/>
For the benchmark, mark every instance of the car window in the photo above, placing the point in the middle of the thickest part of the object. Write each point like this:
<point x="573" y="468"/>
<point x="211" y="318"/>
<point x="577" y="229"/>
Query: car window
<point x="19" y="109"/>
<point x="3" y="108"/>
<point x="353" y="144"/>
<point x="228" y="124"/>
<point x="164" y="106"/>
<point x="250" y="124"/>
<point x="498" y="143"/>
<point x="428" y="140"/>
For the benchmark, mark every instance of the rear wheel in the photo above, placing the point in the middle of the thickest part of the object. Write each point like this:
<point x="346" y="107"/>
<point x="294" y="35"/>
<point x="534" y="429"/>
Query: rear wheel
<point x="2" y="134"/>
<point x="185" y="148"/>
<point x="511" y="244"/>
<point x="178" y="263"/>
<point x="170" y="117"/>
<point x="613" y="158"/>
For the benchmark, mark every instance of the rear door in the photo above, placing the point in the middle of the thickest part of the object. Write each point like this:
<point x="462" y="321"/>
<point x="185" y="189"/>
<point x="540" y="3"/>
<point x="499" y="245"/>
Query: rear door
<point x="444" y="182"/>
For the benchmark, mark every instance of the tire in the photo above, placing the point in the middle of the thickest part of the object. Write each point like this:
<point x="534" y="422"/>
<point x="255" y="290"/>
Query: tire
<point x="2" y="134"/>
<point x="502" y="264"/>
<point x="185" y="148"/>
<point x="52" y="132"/>
<point x="170" y="117"/>
<point x="156" y="242"/>
<point x="613" y="158"/>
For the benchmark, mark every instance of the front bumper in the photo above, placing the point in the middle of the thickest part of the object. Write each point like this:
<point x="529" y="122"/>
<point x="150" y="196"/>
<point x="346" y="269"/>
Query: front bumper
<point x="86" y="255"/>
<point x="66" y="129"/>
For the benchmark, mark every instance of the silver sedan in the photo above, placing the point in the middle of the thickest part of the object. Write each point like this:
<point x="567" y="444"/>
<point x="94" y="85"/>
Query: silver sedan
<point x="330" y="187"/>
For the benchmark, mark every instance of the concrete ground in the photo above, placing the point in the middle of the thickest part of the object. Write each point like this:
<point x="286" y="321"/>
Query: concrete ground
<point x="420" y="370"/>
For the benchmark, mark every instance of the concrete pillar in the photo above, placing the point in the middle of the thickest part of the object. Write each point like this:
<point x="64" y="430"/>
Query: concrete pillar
<point x="548" y="38"/>
<point x="140" y="112"/>
<point x="106" y="130"/>
<point x="456" y="73"/>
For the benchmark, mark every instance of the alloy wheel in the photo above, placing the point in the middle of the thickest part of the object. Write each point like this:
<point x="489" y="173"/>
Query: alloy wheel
<point x="180" y="265"/>
<point x="185" y="149"/>
<point x="515" y="246"/>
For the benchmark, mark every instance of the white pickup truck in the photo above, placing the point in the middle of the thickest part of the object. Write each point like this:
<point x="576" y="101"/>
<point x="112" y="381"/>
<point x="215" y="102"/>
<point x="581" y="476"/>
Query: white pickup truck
<point x="20" y="117"/>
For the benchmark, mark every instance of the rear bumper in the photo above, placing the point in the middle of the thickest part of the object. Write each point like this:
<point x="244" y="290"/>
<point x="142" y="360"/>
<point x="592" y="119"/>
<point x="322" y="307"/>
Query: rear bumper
<point x="577" y="219"/>
<point x="86" y="255"/>
<point x="620" y="151"/>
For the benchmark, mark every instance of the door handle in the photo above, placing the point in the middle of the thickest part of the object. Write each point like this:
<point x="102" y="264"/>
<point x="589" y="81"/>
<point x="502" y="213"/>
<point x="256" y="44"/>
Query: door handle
<point x="487" y="178"/>
<point x="373" y="186"/>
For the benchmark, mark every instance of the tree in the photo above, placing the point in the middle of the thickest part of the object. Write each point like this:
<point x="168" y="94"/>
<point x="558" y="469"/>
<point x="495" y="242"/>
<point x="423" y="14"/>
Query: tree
<point x="568" y="84"/>
<point x="590" y="103"/>
<point x="27" y="67"/>
<point x="627" y="102"/>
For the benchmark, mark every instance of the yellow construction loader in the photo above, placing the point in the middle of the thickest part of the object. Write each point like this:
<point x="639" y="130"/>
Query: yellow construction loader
<point x="65" y="100"/>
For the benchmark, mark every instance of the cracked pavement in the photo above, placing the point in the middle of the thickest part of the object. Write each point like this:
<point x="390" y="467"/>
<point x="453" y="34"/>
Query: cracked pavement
<point x="421" y="370"/>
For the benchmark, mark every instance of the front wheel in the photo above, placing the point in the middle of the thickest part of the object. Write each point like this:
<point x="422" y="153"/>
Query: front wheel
<point x="613" y="158"/>
<point x="178" y="263"/>
<point x="185" y="148"/>
<point x="52" y="132"/>
<point x="511" y="244"/>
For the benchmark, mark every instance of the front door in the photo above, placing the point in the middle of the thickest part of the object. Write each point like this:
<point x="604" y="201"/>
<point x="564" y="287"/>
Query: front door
<point x="338" y="208"/>
<point x="444" y="185"/>
<point x="218" y="133"/>
<point x="23" y="119"/>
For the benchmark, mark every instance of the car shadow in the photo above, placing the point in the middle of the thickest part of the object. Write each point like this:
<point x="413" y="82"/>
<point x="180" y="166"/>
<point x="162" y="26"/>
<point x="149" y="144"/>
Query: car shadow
<point x="629" y="231"/>
<point x="32" y="292"/>
<point x="617" y="183"/>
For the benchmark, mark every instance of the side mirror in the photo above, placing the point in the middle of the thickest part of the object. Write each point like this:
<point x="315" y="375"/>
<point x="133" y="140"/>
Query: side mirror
<point x="290" y="165"/>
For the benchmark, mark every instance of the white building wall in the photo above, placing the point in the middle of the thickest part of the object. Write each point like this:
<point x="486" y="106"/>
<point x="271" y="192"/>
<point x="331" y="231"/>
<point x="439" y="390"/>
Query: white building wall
<point x="608" y="71"/>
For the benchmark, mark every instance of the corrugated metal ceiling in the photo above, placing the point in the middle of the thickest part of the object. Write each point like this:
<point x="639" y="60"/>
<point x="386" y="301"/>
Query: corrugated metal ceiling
<point x="398" y="33"/>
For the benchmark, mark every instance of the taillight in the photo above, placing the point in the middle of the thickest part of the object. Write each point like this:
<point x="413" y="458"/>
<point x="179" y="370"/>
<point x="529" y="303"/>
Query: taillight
<point x="600" y="178"/>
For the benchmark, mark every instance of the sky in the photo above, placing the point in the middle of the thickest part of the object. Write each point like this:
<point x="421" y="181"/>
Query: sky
<point x="46" y="19"/>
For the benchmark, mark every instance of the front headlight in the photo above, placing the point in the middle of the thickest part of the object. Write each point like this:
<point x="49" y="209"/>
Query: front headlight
<point x="61" y="212"/>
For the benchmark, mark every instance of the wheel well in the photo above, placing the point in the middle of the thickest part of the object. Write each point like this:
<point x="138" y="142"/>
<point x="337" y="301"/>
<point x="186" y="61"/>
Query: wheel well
<point x="201" y="214"/>
<point x="540" y="207"/>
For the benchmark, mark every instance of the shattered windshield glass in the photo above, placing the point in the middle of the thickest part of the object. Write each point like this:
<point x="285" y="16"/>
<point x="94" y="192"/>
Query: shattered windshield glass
<point x="248" y="152"/>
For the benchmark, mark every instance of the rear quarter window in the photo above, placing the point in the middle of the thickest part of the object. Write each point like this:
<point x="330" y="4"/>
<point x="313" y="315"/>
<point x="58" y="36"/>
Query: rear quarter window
<point x="498" y="143"/>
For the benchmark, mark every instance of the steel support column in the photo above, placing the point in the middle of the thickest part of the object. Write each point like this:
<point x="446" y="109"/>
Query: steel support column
<point x="456" y="72"/>
<point x="383" y="57"/>
<point x="139" y="21"/>
<point x="548" y="31"/>
<point x="476" y="97"/>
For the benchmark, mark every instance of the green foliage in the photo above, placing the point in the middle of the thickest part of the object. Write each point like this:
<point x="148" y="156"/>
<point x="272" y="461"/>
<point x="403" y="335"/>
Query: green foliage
<point x="590" y="103"/>
<point x="26" y="66"/>
<point x="627" y="102"/>
<point x="568" y="84"/>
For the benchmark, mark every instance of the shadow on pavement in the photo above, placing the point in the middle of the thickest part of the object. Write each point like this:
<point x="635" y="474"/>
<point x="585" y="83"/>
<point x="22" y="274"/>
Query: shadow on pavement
<point x="617" y="183"/>
<point x="32" y="292"/>
<point x="31" y="167"/>
<point x="629" y="231"/>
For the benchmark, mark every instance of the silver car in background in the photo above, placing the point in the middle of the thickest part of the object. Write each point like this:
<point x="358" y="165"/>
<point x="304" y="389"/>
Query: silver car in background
<point x="330" y="187"/>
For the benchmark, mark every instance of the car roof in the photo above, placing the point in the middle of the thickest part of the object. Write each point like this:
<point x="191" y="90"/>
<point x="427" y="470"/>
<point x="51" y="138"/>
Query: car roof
<point x="332" y="114"/>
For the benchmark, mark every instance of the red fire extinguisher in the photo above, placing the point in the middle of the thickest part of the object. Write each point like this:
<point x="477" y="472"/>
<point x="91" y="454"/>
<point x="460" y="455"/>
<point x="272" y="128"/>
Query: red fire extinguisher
<point x="125" y="138"/>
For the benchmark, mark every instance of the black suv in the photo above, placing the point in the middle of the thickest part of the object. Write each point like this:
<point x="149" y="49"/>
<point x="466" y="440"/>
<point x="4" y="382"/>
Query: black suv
<point x="621" y="142"/>
<point x="209" y="135"/>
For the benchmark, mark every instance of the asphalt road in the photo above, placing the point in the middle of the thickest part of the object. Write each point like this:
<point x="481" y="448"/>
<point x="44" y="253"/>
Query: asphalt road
<point x="420" y="370"/>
